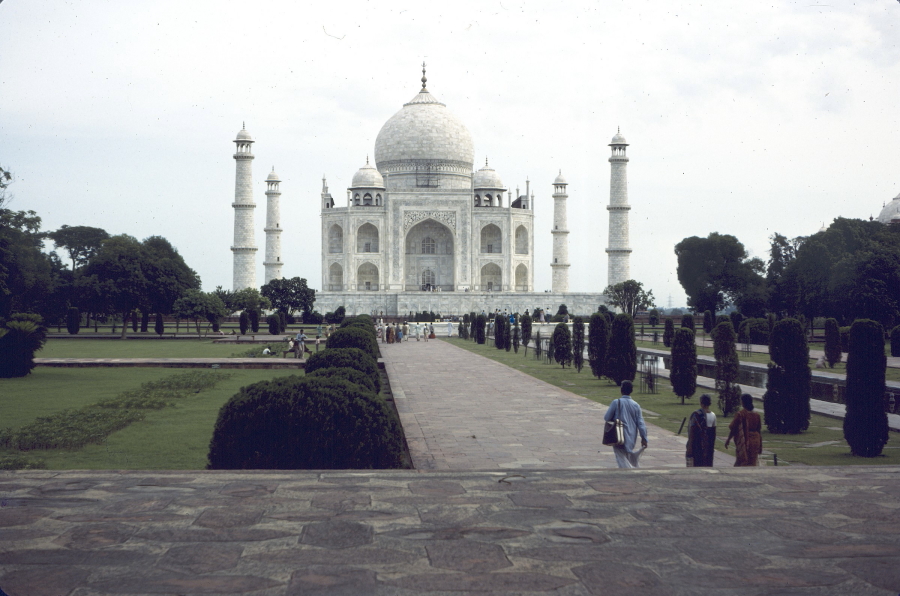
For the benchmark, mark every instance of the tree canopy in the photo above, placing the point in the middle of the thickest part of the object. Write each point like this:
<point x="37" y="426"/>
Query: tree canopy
<point x="629" y="296"/>
<point x="289" y="295"/>
<point x="81" y="242"/>
<point x="716" y="271"/>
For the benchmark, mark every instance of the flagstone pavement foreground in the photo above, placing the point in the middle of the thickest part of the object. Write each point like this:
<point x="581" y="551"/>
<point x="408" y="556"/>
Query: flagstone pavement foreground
<point x="762" y="531"/>
<point x="462" y="411"/>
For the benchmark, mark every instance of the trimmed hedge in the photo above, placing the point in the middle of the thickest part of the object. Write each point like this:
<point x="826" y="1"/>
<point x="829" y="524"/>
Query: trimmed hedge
<point x="755" y="331"/>
<point x="348" y="374"/>
<point x="354" y="337"/>
<point x="866" y="424"/>
<point x="349" y="357"/>
<point x="305" y="423"/>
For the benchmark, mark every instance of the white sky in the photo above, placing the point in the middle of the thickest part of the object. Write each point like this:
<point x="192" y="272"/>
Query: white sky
<point x="743" y="118"/>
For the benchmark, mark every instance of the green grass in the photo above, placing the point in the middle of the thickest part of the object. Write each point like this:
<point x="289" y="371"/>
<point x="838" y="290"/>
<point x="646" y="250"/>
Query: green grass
<point x="175" y="437"/>
<point x="148" y="348"/>
<point x="668" y="412"/>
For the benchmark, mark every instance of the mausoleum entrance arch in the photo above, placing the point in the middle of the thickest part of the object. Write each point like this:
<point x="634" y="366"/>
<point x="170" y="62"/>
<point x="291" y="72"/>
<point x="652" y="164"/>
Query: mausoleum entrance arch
<point x="429" y="248"/>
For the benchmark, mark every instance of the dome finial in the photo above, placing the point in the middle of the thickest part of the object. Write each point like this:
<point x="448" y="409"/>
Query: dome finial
<point x="244" y="125"/>
<point x="424" y="78"/>
<point x="485" y="161"/>
<point x="367" y="159"/>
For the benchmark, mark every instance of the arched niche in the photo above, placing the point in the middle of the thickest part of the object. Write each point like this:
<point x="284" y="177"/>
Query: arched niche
<point x="367" y="238"/>
<point x="491" y="239"/>
<point x="335" y="239"/>
<point x="429" y="246"/>
<point x="367" y="277"/>
<point x="335" y="278"/>
<point x="521" y="240"/>
<point x="521" y="278"/>
<point x="367" y="199"/>
<point x="491" y="278"/>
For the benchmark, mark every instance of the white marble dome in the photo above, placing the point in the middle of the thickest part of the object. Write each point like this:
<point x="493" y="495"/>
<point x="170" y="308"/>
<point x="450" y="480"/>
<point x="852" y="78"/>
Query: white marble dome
<point x="367" y="177"/>
<point x="243" y="135"/>
<point x="618" y="139"/>
<point x="486" y="177"/>
<point x="424" y="129"/>
<point x="891" y="211"/>
<point x="273" y="177"/>
<point x="560" y="179"/>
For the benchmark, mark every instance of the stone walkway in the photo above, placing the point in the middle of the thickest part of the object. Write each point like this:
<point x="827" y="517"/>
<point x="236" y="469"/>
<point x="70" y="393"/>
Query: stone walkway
<point x="461" y="411"/>
<point x="733" y="532"/>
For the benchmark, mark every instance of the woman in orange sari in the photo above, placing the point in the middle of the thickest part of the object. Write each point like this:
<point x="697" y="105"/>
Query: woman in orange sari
<point x="746" y="429"/>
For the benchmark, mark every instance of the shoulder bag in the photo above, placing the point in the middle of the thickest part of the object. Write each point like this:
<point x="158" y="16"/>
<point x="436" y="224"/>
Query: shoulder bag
<point x="614" y="431"/>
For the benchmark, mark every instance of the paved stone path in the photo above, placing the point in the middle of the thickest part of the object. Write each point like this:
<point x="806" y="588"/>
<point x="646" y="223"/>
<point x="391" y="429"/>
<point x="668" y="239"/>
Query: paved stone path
<point x="739" y="532"/>
<point x="461" y="411"/>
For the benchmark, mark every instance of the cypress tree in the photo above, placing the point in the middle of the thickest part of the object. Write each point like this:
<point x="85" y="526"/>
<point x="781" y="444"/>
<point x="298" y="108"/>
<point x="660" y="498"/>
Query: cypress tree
<point x="707" y="321"/>
<point x="654" y="317"/>
<point x="551" y="349"/>
<point x="669" y="333"/>
<point x="159" y="326"/>
<point x="73" y="320"/>
<point x="622" y="359"/>
<point x="244" y="322"/>
<point x="480" y="322"/>
<point x="736" y="319"/>
<point x="145" y="320"/>
<point x="684" y="364"/>
<point x="865" y="423"/>
<point x="538" y="349"/>
<point x="134" y="321"/>
<point x="727" y="366"/>
<point x="254" y="320"/>
<point x="833" y="342"/>
<point x="562" y="344"/>
<point x="282" y="321"/>
<point x="578" y="343"/>
<point x="786" y="402"/>
<point x="687" y="321"/>
<point x="274" y="324"/>
<point x="516" y="337"/>
<point x="598" y="344"/>
<point x="507" y="335"/>
<point x="895" y="341"/>
<point x="526" y="331"/>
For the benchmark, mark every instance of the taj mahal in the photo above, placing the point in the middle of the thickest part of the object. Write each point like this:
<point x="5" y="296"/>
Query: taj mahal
<point x="422" y="230"/>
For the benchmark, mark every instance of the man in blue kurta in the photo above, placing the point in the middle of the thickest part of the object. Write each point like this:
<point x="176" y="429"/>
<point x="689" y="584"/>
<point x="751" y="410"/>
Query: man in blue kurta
<point x="629" y="412"/>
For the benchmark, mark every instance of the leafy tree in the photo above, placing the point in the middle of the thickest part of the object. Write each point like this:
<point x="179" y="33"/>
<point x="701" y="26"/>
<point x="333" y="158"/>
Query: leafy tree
<point x="654" y="317"/>
<point x="578" y="343"/>
<point x="289" y="295"/>
<point x="197" y="306"/>
<point x="786" y="401"/>
<point x="526" y="331"/>
<point x="781" y="287"/>
<point x="622" y="359"/>
<point x="684" y="363"/>
<point x="865" y="423"/>
<point x="716" y="271"/>
<point x="480" y="323"/>
<point x="736" y="319"/>
<point x="169" y="275"/>
<point x="562" y="311"/>
<point x="159" y="327"/>
<point x="81" y="242"/>
<point x="25" y="271"/>
<point x="833" y="342"/>
<point x="895" y="341"/>
<point x="629" y="296"/>
<point x="727" y="367"/>
<point x="562" y="344"/>
<point x="598" y="344"/>
<point x="73" y="321"/>
<point x="20" y="338"/>
<point x="707" y="321"/>
<point x="669" y="333"/>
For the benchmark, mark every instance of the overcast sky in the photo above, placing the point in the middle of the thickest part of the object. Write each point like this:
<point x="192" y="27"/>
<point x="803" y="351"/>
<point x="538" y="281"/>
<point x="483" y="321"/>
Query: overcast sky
<point x="742" y="117"/>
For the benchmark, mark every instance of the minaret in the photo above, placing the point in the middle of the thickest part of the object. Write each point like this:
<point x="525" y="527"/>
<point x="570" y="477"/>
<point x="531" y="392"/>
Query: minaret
<point x="273" y="228"/>
<point x="560" y="232"/>
<point x="618" y="251"/>
<point x="244" y="248"/>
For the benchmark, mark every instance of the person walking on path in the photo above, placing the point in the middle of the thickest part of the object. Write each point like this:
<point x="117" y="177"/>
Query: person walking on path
<point x="417" y="330"/>
<point x="629" y="412"/>
<point x="449" y="328"/>
<point x="746" y="430"/>
<point x="406" y="330"/>
<point x="701" y="445"/>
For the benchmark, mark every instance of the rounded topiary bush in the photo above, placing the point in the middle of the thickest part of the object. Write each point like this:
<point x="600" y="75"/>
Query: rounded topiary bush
<point x="354" y="337"/>
<point x="349" y="357"/>
<point x="305" y="423"/>
<point x="348" y="374"/>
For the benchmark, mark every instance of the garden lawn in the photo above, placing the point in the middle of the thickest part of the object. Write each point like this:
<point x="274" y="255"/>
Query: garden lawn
<point x="173" y="438"/>
<point x="664" y="409"/>
<point x="148" y="348"/>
